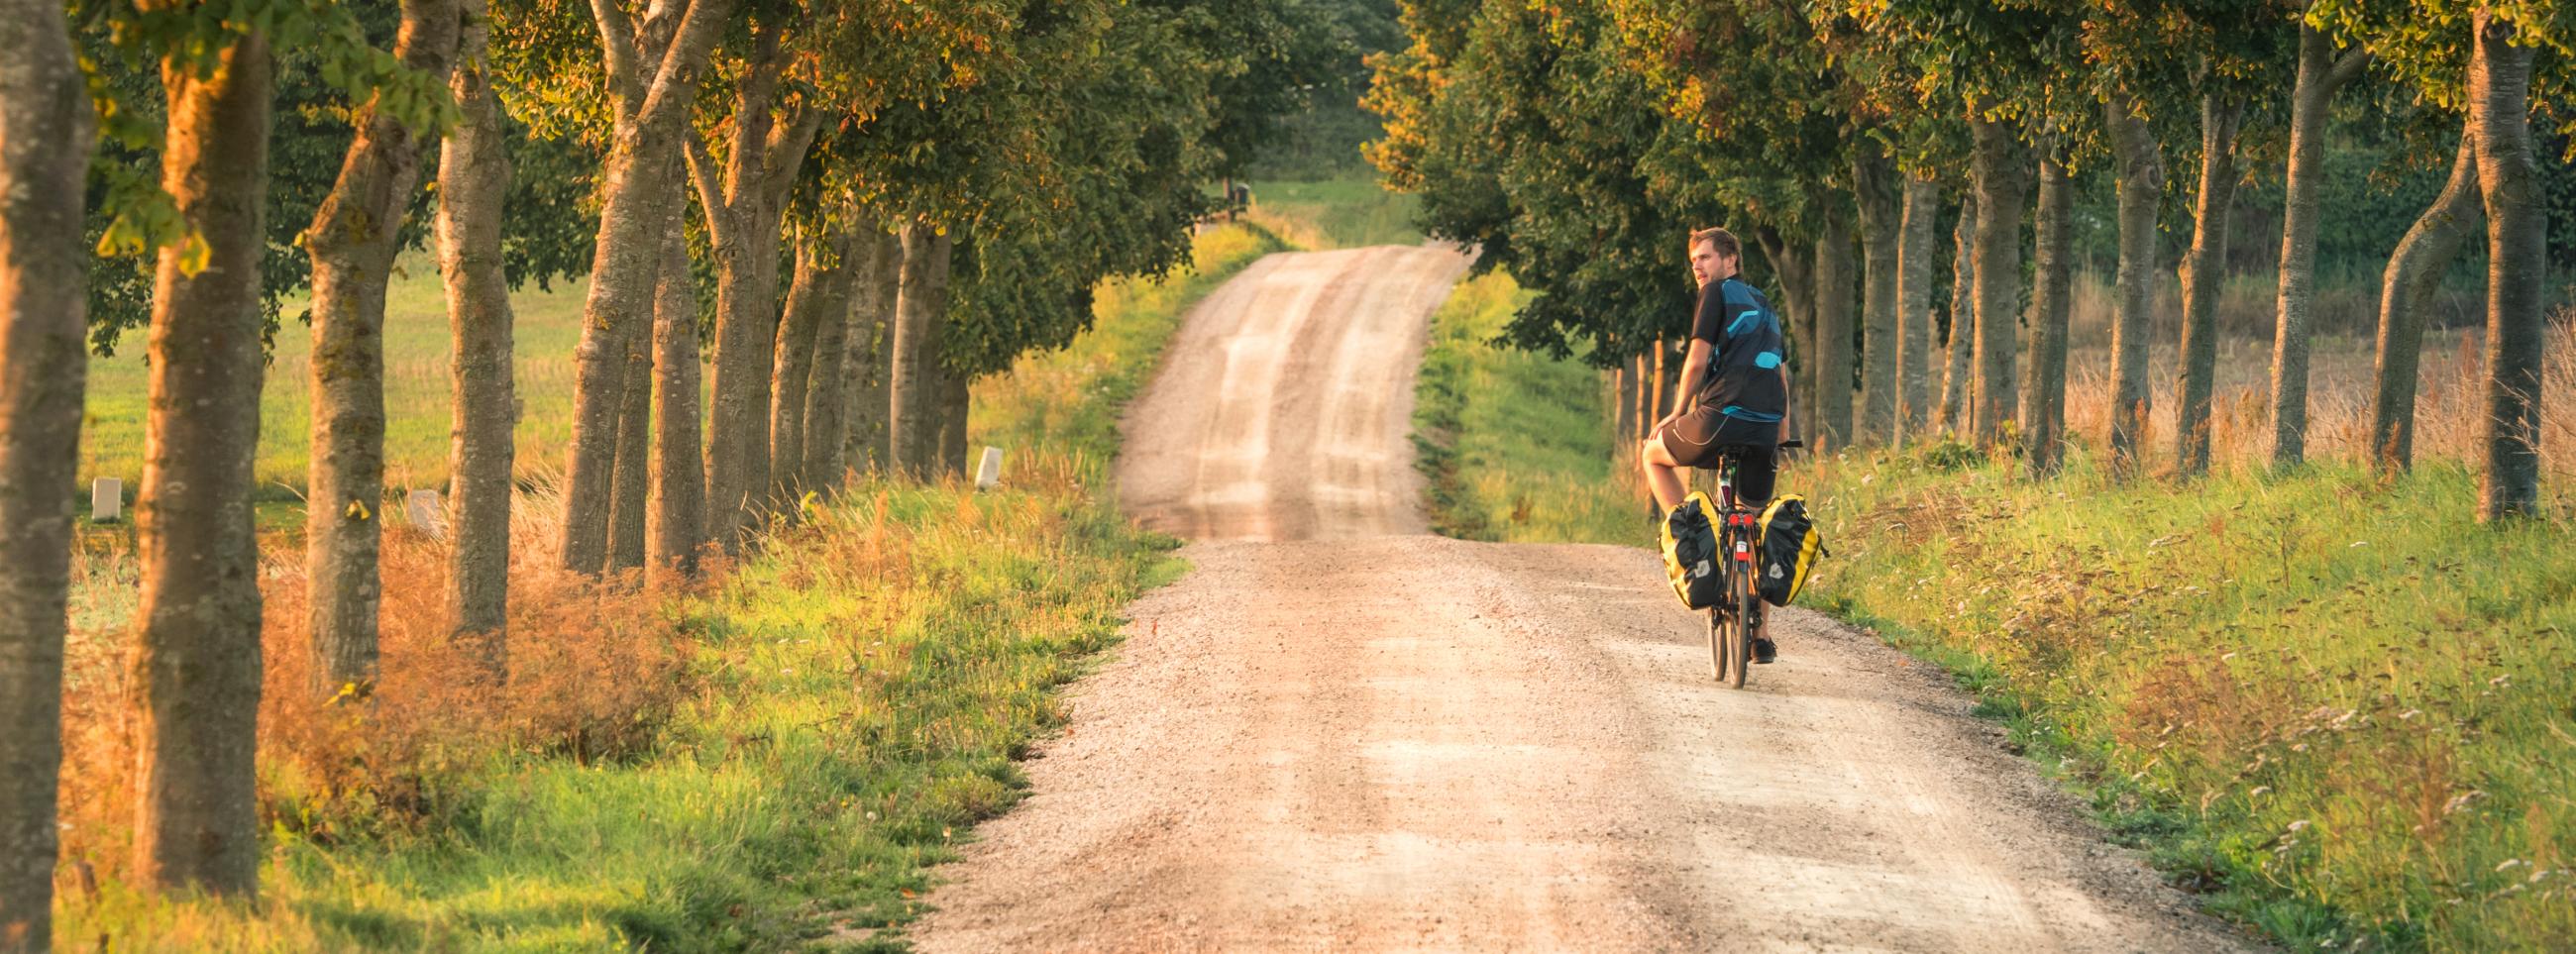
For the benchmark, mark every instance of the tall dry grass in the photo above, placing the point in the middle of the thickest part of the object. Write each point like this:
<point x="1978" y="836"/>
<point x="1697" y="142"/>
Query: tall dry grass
<point x="592" y="672"/>
<point x="2450" y="401"/>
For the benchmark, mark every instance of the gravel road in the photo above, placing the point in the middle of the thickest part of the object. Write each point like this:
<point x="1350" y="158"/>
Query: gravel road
<point x="1340" y="733"/>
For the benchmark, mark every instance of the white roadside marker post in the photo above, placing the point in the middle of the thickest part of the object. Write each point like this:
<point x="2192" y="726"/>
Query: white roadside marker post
<point x="106" y="500"/>
<point x="425" y="512"/>
<point x="988" y="474"/>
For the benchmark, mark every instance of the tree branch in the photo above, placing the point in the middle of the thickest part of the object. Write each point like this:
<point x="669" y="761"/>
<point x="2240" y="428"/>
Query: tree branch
<point x="698" y="32"/>
<point x="617" y="41"/>
<point x="2348" y="67"/>
<point x="786" y="151"/>
<point x="702" y="170"/>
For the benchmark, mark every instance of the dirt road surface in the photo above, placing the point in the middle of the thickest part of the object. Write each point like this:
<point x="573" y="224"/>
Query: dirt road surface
<point x="1339" y="733"/>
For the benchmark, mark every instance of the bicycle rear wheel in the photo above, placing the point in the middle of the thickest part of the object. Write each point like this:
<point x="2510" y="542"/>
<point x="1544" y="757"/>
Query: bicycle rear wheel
<point x="1718" y="640"/>
<point x="1739" y="605"/>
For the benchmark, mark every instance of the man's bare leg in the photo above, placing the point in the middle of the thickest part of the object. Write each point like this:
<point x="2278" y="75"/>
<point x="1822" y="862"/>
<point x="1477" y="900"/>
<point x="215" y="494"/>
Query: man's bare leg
<point x="1661" y="474"/>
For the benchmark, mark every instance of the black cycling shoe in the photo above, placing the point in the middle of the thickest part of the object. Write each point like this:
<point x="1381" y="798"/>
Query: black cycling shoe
<point x="1763" y="651"/>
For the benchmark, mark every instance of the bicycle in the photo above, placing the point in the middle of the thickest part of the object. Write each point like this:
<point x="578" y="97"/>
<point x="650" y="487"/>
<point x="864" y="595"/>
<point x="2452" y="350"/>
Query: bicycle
<point x="1730" y="637"/>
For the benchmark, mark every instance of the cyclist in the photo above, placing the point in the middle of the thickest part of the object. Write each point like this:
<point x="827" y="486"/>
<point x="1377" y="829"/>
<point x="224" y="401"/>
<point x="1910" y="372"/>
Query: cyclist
<point x="1735" y="391"/>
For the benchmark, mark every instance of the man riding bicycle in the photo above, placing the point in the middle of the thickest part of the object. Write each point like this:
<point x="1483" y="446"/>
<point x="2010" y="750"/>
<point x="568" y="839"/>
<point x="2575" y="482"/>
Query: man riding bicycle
<point x="1735" y="383"/>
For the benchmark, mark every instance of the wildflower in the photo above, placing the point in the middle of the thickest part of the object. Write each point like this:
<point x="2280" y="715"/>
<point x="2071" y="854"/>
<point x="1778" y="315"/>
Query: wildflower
<point x="2298" y="826"/>
<point x="2259" y="791"/>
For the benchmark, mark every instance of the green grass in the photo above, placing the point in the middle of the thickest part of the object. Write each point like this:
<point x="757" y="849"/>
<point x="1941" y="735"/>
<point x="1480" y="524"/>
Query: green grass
<point x="1335" y="213"/>
<point x="858" y="693"/>
<point x="1516" y="445"/>
<point x="417" y="396"/>
<point x="2338" y="710"/>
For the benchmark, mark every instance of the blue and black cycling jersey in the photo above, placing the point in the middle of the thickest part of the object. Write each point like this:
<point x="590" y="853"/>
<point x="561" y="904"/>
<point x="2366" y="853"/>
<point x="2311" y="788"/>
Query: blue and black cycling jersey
<point x="1743" y="380"/>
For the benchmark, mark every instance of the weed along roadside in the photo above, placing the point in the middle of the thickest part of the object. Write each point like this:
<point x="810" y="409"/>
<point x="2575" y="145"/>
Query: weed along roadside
<point x="2333" y="708"/>
<point x="773" y="760"/>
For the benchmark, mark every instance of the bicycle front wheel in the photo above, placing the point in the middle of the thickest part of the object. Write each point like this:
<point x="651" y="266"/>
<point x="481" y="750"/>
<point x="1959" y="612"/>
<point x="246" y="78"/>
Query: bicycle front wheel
<point x="1739" y="606"/>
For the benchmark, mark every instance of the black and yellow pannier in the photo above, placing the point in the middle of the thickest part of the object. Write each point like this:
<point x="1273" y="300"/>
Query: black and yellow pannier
<point x="1690" y="552"/>
<point x="1790" y="547"/>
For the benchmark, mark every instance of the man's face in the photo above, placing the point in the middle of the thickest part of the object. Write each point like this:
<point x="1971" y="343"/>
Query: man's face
<point x="1707" y="265"/>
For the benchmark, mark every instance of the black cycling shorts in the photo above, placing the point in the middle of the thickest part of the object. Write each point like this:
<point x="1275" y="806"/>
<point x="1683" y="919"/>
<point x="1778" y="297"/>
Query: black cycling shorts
<point x="1705" y="437"/>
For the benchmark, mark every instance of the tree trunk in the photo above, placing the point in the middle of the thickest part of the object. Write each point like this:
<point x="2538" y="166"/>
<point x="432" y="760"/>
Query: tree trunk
<point x="1797" y="308"/>
<point x="744" y="213"/>
<point x="1833" y="307"/>
<point x="1657" y="392"/>
<point x="1998" y="164"/>
<point x="819" y="296"/>
<point x="633" y="213"/>
<point x="2321" y="73"/>
<point x="869" y="358"/>
<point x="2517" y="267"/>
<point x="2204" y="269"/>
<point x="2043" y="404"/>
<point x="352" y="241"/>
<point x="1880" y="191"/>
<point x="1915" y="252"/>
<point x="827" y="399"/>
<point x="473" y="185"/>
<point x="2406" y="296"/>
<point x="1957" y="390"/>
<point x="921" y="319"/>
<point x="2142" y="187"/>
<point x="630" y="485"/>
<point x="677" y="529"/>
<point x="955" y="399"/>
<point x="196" y="663"/>
<point x="45" y="136"/>
<point x="1645" y="398"/>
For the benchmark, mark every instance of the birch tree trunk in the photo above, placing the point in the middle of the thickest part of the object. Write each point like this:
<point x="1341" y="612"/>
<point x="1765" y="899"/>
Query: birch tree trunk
<point x="2204" y="270"/>
<point x="652" y="108"/>
<point x="677" y="528"/>
<point x="921" y="319"/>
<point x="1914" y="339"/>
<point x="1880" y="192"/>
<point x="2517" y="268"/>
<point x="2406" y="296"/>
<point x="2142" y="187"/>
<point x="1957" y="387"/>
<point x="195" y="675"/>
<point x="1998" y="164"/>
<point x="352" y="241"/>
<point x="473" y="185"/>
<point x="2321" y="73"/>
<point x="2043" y="403"/>
<point x="869" y="360"/>
<point x="45" y="135"/>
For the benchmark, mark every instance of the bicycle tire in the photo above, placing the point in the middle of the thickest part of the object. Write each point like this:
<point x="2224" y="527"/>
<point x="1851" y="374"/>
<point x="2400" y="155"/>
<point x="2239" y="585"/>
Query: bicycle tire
<point x="1740" y="599"/>
<point x="1717" y="638"/>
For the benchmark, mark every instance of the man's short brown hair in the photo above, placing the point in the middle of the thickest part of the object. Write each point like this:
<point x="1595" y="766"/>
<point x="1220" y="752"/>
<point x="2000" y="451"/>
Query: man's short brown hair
<point x="1722" y="239"/>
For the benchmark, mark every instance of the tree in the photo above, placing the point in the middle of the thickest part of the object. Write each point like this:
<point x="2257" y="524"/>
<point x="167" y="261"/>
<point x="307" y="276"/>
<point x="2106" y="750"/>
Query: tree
<point x="46" y="132"/>
<point x="2500" y="80"/>
<point x="2203" y="271"/>
<point x="196" y="664"/>
<point x="818" y="296"/>
<point x="353" y="241"/>
<point x="651" y="106"/>
<point x="1915" y="257"/>
<point x="676" y="530"/>
<point x="2043" y="402"/>
<point x="920" y="330"/>
<point x="2322" y="71"/>
<point x="828" y="389"/>
<point x="1955" y="388"/>
<point x="1880" y="193"/>
<point x="2140" y="164"/>
<point x="473" y="191"/>
<point x="1997" y="164"/>
<point x="2406" y="297"/>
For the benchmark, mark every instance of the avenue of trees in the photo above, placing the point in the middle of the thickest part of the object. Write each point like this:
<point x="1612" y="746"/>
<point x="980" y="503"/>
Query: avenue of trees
<point x="1872" y="153"/>
<point x="842" y="213"/>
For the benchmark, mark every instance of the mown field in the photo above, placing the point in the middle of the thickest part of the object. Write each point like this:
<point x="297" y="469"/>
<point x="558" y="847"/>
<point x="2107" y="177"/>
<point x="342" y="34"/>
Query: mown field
<point x="772" y="761"/>
<point x="2335" y="708"/>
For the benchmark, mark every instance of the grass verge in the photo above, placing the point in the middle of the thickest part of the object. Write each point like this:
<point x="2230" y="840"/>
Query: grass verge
<point x="1335" y="213"/>
<point x="2336" y="709"/>
<point x="846" y="704"/>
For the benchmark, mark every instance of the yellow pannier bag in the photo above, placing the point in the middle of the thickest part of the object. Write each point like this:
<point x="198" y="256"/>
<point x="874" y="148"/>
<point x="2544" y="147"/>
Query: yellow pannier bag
<point x="1789" y="549"/>
<point x="1690" y="552"/>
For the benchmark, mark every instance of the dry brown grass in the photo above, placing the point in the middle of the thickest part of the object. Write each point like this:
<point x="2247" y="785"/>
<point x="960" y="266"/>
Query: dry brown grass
<point x="2449" y="400"/>
<point x="593" y="671"/>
